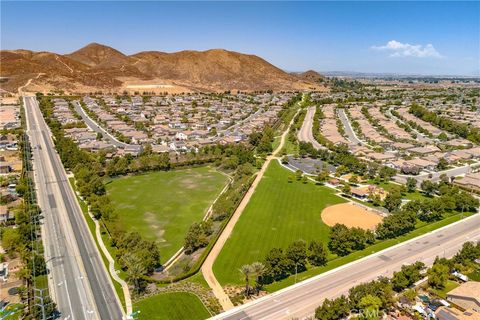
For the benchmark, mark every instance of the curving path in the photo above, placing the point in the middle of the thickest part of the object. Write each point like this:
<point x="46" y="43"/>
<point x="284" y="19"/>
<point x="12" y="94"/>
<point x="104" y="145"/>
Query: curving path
<point x="20" y="89"/>
<point x="207" y="267"/>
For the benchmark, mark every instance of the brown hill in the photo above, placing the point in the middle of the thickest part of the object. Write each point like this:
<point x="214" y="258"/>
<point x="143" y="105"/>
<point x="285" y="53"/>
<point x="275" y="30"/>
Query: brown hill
<point x="99" y="67"/>
<point x="97" y="55"/>
<point x="311" y="75"/>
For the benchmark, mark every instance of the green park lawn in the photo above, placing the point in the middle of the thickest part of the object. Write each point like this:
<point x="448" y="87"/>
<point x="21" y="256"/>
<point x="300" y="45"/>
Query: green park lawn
<point x="162" y="205"/>
<point x="171" y="306"/>
<point x="475" y="276"/>
<point x="278" y="213"/>
<point x="421" y="228"/>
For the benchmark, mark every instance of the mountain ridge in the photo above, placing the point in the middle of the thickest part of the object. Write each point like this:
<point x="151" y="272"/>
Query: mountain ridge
<point x="100" y="67"/>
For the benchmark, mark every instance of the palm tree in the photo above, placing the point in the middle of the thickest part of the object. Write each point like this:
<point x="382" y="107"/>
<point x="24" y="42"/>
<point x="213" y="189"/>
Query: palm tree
<point x="258" y="269"/>
<point x="246" y="271"/>
<point x="135" y="270"/>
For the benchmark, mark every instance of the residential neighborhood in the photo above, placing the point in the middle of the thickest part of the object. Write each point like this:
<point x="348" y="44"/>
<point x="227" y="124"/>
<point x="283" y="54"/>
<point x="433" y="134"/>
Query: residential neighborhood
<point x="239" y="160"/>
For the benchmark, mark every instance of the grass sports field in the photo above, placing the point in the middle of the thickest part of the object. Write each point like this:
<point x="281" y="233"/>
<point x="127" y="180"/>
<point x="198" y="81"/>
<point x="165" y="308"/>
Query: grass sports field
<point x="171" y="306"/>
<point x="278" y="213"/>
<point x="162" y="205"/>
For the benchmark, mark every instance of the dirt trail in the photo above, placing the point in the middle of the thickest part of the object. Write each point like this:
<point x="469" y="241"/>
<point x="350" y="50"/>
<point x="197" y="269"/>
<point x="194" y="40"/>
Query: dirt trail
<point x="66" y="65"/>
<point x="20" y="89"/>
<point x="207" y="267"/>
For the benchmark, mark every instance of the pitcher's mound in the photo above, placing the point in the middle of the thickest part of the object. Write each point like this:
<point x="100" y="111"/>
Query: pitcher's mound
<point x="350" y="215"/>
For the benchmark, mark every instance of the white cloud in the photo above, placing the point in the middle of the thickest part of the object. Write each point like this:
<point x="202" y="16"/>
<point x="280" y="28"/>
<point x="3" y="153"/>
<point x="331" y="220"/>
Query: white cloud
<point x="399" y="49"/>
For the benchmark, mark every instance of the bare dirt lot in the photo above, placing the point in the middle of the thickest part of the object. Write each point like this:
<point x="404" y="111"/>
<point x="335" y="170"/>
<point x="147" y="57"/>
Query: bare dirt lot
<point x="350" y="215"/>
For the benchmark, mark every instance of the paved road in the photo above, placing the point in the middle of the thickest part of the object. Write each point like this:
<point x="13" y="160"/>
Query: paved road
<point x="348" y="128"/>
<point x="299" y="301"/>
<point x="420" y="136"/>
<point x="235" y="127"/>
<point x="97" y="128"/>
<point x="78" y="279"/>
<point x="402" y="178"/>
<point x="305" y="134"/>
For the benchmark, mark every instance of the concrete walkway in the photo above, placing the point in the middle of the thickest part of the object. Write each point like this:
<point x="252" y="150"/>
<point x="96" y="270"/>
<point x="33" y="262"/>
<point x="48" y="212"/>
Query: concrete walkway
<point x="111" y="268"/>
<point x="207" y="267"/>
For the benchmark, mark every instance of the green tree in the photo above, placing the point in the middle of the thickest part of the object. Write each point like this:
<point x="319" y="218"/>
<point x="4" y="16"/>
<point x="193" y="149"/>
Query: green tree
<point x="408" y="275"/>
<point x="381" y="288"/>
<point x="297" y="252"/>
<point x="396" y="224"/>
<point x="298" y="175"/>
<point x="442" y="137"/>
<point x="333" y="309"/>
<point x="343" y="240"/>
<point x="353" y="179"/>
<point x="375" y="199"/>
<point x="247" y="272"/>
<point x="428" y="187"/>
<point x="438" y="276"/>
<point x="258" y="270"/>
<point x="10" y="240"/>
<point x="277" y="265"/>
<point x="197" y="236"/>
<point x="135" y="272"/>
<point x="346" y="189"/>
<point x="411" y="184"/>
<point x="442" y="164"/>
<point x="370" y="305"/>
<point x="468" y="253"/>
<point x="392" y="201"/>
<point x="317" y="253"/>
<point x="322" y="177"/>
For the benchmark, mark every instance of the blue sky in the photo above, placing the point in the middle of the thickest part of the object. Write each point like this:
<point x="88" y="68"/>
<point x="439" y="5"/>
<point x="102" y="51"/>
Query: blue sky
<point x="407" y="37"/>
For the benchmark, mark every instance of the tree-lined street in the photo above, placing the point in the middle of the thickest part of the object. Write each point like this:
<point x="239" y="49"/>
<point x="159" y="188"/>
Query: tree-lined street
<point x="78" y="280"/>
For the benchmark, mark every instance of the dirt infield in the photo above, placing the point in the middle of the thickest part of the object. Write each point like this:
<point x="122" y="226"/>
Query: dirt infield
<point x="350" y="215"/>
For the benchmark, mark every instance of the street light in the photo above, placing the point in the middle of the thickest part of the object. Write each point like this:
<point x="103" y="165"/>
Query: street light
<point x="296" y="271"/>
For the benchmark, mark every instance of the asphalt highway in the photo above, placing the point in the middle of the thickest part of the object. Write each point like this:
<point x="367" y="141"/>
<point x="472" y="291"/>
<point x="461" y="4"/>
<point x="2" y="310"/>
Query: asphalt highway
<point x="78" y="279"/>
<point x="299" y="301"/>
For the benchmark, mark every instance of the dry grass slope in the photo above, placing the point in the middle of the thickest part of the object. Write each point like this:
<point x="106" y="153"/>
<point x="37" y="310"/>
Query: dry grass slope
<point x="97" y="67"/>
